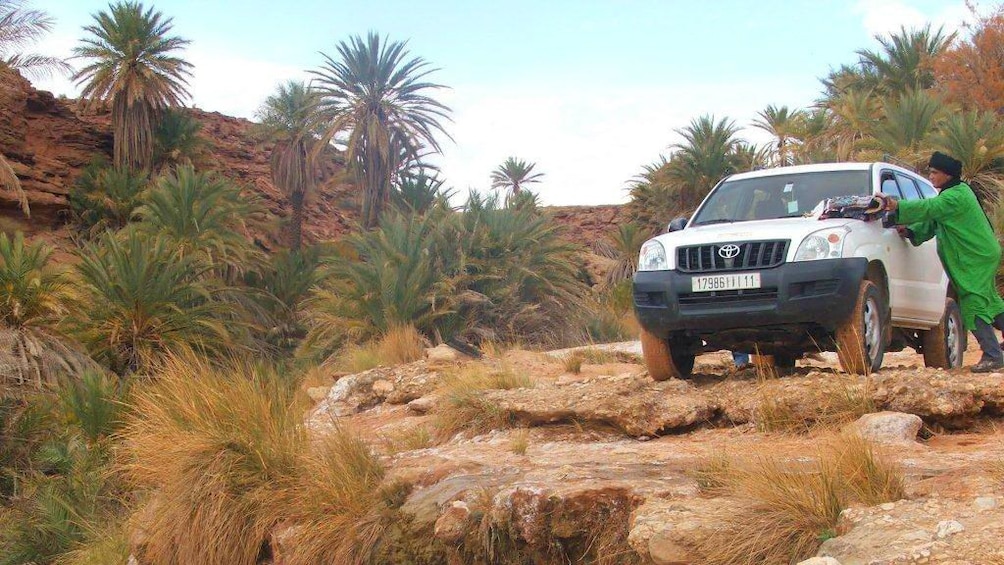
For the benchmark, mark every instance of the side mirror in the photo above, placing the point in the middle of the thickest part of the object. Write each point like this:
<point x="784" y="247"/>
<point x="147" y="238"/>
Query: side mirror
<point x="677" y="224"/>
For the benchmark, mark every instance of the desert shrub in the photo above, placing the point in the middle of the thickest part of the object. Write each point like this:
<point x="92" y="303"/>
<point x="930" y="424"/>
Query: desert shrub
<point x="399" y="345"/>
<point x="215" y="449"/>
<point x="339" y="505"/>
<point x="788" y="508"/>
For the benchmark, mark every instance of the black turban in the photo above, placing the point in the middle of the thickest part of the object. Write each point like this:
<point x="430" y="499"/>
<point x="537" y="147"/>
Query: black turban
<point x="948" y="165"/>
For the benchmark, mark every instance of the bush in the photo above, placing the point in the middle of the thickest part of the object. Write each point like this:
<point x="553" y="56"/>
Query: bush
<point x="463" y="405"/>
<point x="217" y="451"/>
<point x="105" y="198"/>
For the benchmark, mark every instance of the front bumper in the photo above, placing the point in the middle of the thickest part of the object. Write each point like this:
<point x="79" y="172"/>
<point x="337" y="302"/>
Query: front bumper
<point x="818" y="294"/>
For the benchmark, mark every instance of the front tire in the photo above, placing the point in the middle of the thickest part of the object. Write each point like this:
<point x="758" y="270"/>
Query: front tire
<point x="861" y="337"/>
<point x="944" y="344"/>
<point x="662" y="362"/>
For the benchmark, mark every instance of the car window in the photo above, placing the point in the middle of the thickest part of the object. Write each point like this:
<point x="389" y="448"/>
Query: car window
<point x="890" y="186"/>
<point x="908" y="187"/>
<point x="927" y="189"/>
<point x="778" y="196"/>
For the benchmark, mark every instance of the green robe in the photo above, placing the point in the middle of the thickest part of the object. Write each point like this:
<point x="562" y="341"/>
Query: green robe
<point x="967" y="246"/>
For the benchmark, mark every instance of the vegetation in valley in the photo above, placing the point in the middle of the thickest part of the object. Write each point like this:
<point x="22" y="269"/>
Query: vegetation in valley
<point x="150" y="402"/>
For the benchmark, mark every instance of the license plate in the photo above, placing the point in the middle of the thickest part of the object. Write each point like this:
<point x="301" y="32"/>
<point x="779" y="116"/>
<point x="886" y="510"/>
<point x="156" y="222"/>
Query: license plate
<point x="734" y="281"/>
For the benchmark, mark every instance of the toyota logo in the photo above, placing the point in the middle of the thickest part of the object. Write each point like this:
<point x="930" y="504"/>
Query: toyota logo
<point x="728" y="251"/>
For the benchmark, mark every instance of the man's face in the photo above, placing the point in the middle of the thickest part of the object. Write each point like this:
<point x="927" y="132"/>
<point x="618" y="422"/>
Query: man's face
<point x="938" y="178"/>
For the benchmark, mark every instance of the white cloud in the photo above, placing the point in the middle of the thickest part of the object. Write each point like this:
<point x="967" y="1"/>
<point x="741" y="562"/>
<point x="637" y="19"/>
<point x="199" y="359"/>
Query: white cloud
<point x="883" y="17"/>
<point x="590" y="141"/>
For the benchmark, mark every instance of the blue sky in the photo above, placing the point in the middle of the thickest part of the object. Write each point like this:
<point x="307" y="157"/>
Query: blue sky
<point x="589" y="90"/>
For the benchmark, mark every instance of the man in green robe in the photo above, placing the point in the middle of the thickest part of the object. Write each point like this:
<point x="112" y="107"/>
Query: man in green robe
<point x="968" y="249"/>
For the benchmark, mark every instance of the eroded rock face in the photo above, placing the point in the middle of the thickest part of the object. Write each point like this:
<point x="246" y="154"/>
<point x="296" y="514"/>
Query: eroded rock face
<point x="629" y="402"/>
<point x="358" y="392"/>
<point x="49" y="141"/>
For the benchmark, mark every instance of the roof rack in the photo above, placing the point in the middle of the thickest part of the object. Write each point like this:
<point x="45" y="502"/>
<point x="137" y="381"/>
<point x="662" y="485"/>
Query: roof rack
<point x="890" y="159"/>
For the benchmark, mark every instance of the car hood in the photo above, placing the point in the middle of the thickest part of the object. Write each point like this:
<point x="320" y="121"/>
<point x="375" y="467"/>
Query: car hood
<point x="793" y="229"/>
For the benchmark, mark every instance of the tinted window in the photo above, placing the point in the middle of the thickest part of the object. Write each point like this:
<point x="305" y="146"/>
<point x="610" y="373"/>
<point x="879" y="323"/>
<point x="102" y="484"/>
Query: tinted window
<point x="778" y="196"/>
<point x="908" y="187"/>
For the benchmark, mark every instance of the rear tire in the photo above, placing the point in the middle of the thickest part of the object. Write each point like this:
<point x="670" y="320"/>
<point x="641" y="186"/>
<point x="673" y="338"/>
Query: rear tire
<point x="861" y="337"/>
<point x="944" y="344"/>
<point x="662" y="362"/>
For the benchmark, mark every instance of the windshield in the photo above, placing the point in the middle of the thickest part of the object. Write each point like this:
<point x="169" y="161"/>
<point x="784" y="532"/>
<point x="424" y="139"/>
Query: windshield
<point x="778" y="196"/>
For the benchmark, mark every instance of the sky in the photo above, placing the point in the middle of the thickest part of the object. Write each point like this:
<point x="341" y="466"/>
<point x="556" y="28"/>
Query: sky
<point x="591" y="91"/>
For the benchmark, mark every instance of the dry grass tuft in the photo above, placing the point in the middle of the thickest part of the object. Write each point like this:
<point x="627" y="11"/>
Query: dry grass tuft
<point x="408" y="439"/>
<point x="400" y="345"/>
<point x="463" y="405"/>
<point x="715" y="474"/>
<point x="338" y="506"/>
<point x="790" y="507"/>
<point x="216" y="447"/>
<point x="520" y="441"/>
<point x="868" y="477"/>
<point x="573" y="363"/>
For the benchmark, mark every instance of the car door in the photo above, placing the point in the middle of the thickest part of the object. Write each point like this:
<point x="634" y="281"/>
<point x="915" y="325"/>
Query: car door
<point x="919" y="295"/>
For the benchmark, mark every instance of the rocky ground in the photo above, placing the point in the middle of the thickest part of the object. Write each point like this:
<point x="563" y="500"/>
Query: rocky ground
<point x="609" y="448"/>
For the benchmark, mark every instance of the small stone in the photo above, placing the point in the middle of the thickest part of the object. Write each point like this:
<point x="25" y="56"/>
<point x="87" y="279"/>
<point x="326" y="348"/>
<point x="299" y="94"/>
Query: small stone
<point x="382" y="387"/>
<point x="664" y="551"/>
<point x="423" y="405"/>
<point x="452" y="524"/>
<point x="888" y="506"/>
<point x="442" y="354"/>
<point x="819" y="561"/>
<point x="985" y="503"/>
<point x="947" y="528"/>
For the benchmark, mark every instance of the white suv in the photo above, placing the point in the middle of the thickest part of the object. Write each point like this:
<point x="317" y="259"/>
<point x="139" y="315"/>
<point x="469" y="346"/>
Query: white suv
<point x="755" y="269"/>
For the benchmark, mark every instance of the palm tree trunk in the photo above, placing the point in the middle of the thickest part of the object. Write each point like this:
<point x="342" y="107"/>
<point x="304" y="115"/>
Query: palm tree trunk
<point x="297" y="201"/>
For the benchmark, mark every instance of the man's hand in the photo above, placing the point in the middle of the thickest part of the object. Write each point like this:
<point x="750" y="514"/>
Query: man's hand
<point x="889" y="203"/>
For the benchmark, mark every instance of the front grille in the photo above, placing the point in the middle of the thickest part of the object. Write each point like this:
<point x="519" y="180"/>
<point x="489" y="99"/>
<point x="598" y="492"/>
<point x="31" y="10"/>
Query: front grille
<point x="752" y="255"/>
<point x="729" y="296"/>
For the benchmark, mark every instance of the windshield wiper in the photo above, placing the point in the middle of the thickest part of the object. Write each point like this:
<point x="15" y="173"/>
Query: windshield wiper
<point x="716" y="221"/>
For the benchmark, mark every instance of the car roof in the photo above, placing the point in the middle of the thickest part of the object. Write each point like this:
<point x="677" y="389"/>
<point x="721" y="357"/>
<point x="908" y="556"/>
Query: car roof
<point x="796" y="169"/>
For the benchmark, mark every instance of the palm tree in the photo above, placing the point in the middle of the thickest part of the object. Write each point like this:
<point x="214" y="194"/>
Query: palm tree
<point x="513" y="174"/>
<point x="20" y="27"/>
<point x="783" y="124"/>
<point x="707" y="154"/>
<point x="34" y="296"/>
<point x="976" y="139"/>
<point x="133" y="69"/>
<point x="286" y="118"/>
<point x="201" y="214"/>
<point x="376" y="94"/>
<point x="624" y="247"/>
<point x="141" y="301"/>
<point x="906" y="125"/>
<point x="905" y="60"/>
<point x="10" y="183"/>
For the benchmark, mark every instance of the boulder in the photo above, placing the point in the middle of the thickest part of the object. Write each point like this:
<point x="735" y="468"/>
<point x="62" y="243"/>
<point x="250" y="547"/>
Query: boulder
<point x="888" y="427"/>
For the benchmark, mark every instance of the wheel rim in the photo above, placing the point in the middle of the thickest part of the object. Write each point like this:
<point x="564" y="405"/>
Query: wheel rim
<point x="954" y="341"/>
<point x="873" y="330"/>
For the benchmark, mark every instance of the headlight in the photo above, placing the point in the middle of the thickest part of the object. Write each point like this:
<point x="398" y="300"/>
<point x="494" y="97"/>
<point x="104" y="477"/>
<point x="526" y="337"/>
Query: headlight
<point x="652" y="257"/>
<point x="823" y="244"/>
